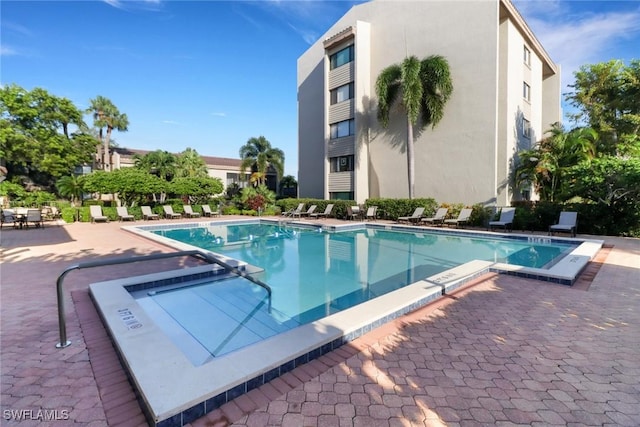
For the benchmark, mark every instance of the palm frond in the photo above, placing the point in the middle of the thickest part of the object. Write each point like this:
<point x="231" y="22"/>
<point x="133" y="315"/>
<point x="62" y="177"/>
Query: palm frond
<point x="436" y="79"/>
<point x="387" y="88"/>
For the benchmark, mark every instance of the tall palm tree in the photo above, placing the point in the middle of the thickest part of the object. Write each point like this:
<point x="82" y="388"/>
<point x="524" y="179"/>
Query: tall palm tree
<point x="423" y="88"/>
<point x="107" y="116"/>
<point x="258" y="155"/>
<point x="190" y="164"/>
<point x="160" y="163"/>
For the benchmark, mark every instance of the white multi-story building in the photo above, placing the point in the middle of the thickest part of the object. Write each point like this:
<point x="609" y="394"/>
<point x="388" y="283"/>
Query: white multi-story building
<point x="506" y="95"/>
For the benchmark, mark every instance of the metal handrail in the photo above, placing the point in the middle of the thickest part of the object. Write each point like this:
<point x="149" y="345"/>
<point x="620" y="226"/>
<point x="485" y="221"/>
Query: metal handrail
<point x="106" y="262"/>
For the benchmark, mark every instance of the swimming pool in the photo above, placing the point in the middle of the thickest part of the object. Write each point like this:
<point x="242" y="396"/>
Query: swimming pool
<point x="400" y="267"/>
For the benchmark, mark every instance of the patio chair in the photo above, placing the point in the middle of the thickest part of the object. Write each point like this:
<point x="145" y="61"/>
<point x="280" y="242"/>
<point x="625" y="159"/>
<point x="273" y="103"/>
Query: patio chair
<point x="34" y="216"/>
<point x="353" y="212"/>
<point x="414" y="217"/>
<point x="325" y="214"/>
<point x="463" y="218"/>
<point x="568" y="223"/>
<point x="206" y="210"/>
<point x="309" y="211"/>
<point x="189" y="213"/>
<point x="148" y="214"/>
<point x="438" y="218"/>
<point x="169" y="213"/>
<point x="8" y="217"/>
<point x="96" y="214"/>
<point x="55" y="212"/>
<point x="123" y="214"/>
<point x="505" y="221"/>
<point x="292" y="212"/>
<point x="372" y="212"/>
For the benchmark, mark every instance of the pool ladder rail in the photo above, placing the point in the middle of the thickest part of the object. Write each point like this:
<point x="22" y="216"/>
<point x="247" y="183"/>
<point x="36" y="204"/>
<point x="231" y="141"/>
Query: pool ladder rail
<point x="64" y="342"/>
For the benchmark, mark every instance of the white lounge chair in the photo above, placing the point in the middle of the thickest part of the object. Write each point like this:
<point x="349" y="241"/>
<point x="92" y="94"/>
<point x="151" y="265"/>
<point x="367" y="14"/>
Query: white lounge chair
<point x="414" y="217"/>
<point x="372" y="212"/>
<point x="206" y="210"/>
<point x="293" y="212"/>
<point x="123" y="214"/>
<point x="148" y="214"/>
<point x="438" y="218"/>
<point x="96" y="214"/>
<point x="309" y="211"/>
<point x="463" y="218"/>
<point x="326" y="213"/>
<point x="568" y="223"/>
<point x="189" y="213"/>
<point x="505" y="221"/>
<point x="169" y="213"/>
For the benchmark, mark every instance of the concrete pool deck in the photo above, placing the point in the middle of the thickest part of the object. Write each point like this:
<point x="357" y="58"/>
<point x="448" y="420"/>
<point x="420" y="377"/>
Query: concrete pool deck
<point x="504" y="350"/>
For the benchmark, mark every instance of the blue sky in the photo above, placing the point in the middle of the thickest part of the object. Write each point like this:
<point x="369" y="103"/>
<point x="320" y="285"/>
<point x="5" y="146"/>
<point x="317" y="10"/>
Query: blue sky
<point x="211" y="74"/>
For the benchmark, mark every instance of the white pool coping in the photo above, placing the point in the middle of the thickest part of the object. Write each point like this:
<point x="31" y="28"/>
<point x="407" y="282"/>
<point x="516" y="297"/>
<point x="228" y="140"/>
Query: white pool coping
<point x="169" y="383"/>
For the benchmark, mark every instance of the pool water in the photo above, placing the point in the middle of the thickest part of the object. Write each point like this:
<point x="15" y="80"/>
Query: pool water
<point x="315" y="273"/>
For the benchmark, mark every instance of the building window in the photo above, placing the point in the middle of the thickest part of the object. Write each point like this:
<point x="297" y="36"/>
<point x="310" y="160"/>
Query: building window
<point x="527" y="56"/>
<point x="341" y="195"/>
<point x="343" y="128"/>
<point x="526" y="128"/>
<point x="234" y="178"/>
<point x="341" y="57"/>
<point x="342" y="93"/>
<point x="526" y="91"/>
<point x="341" y="163"/>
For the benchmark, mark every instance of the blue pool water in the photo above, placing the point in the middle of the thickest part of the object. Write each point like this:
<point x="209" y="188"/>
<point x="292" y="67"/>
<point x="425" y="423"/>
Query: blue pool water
<point x="315" y="273"/>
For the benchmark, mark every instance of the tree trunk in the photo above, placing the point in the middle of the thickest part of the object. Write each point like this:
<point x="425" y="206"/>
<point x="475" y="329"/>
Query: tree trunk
<point x="410" y="158"/>
<point x="107" y="155"/>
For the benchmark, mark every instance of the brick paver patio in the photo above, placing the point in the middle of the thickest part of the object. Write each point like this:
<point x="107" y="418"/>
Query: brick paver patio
<point x="503" y="351"/>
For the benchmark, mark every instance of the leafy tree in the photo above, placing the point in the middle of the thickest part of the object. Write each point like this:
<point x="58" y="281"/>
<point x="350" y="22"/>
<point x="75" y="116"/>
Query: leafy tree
<point x="71" y="186"/>
<point x="36" y="137"/>
<point x="191" y="164"/>
<point x="258" y="155"/>
<point x="545" y="165"/>
<point x="160" y="163"/>
<point x="258" y="197"/>
<point x="107" y="116"/>
<point x="288" y="181"/>
<point x="197" y="188"/>
<point x="607" y="96"/>
<point x="424" y="87"/>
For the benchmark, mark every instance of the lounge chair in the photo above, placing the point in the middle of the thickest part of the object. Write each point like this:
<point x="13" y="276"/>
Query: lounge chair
<point x="372" y="211"/>
<point x="189" y="213"/>
<point x="505" y="221"/>
<point x="353" y="212"/>
<point x="96" y="214"/>
<point x="414" y="217"/>
<point x="148" y="214"/>
<point x="463" y="218"/>
<point x="309" y="211"/>
<point x="34" y="216"/>
<point x="438" y="218"/>
<point x="326" y="213"/>
<point x="293" y="212"/>
<point x="169" y="213"/>
<point x="206" y="210"/>
<point x="568" y="223"/>
<point x="123" y="214"/>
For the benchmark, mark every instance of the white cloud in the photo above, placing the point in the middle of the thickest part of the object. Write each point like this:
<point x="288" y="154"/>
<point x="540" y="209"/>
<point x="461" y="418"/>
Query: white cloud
<point x="219" y="114"/>
<point x="7" y="51"/>
<point x="170" y="122"/>
<point x="580" y="38"/>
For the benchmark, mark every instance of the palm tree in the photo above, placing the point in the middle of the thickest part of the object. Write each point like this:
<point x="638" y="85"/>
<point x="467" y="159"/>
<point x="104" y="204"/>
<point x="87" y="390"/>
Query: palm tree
<point x="424" y="87"/>
<point x="160" y="163"/>
<point x="190" y="164"/>
<point x="106" y="115"/>
<point x="258" y="155"/>
<point x="544" y="165"/>
<point x="72" y="187"/>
